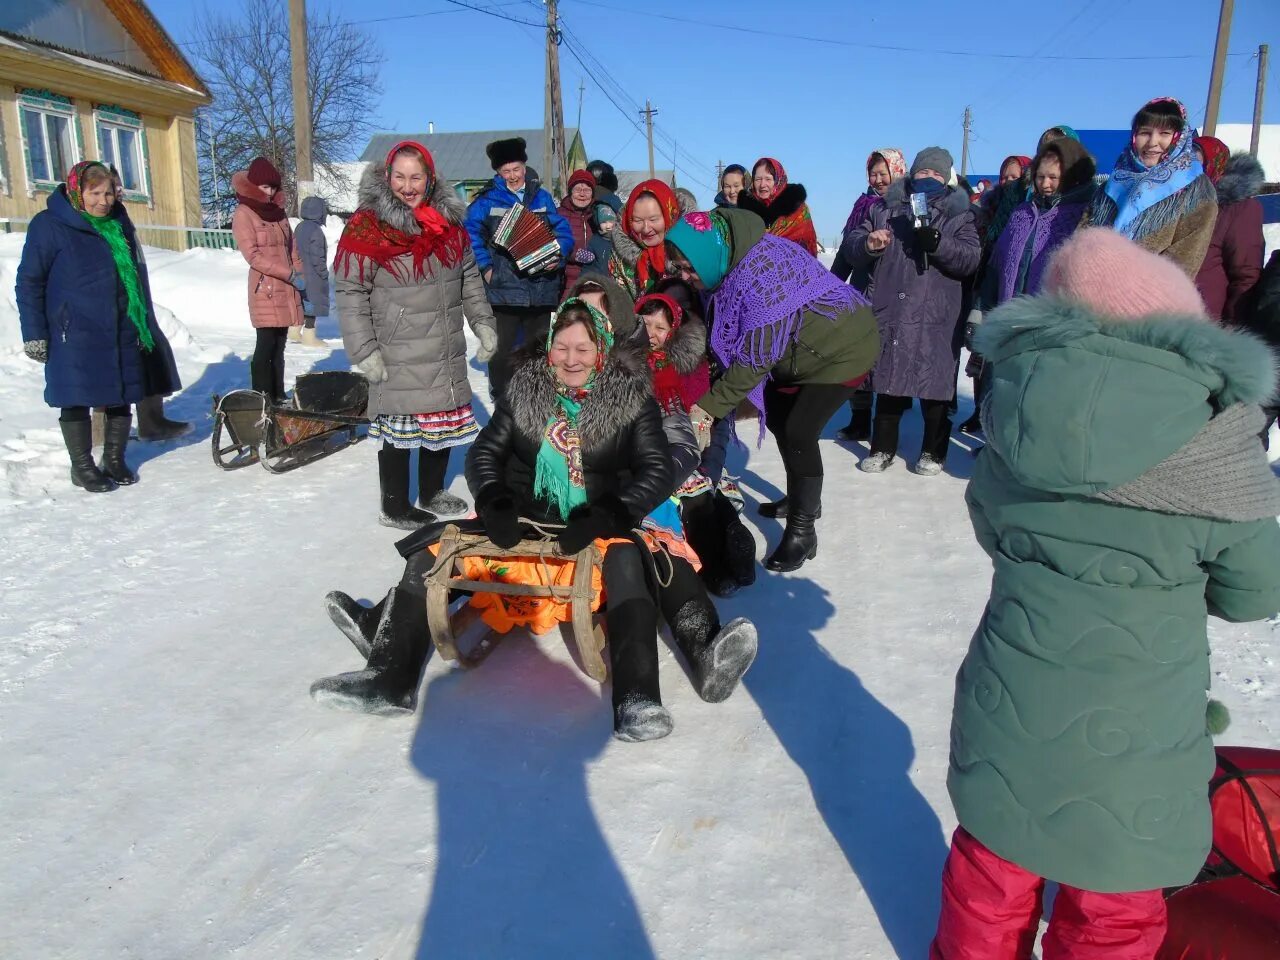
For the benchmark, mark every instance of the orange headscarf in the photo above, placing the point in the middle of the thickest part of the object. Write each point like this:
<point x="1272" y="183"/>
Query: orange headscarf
<point x="652" y="264"/>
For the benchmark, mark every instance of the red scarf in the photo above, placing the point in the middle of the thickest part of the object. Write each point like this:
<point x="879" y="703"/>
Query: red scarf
<point x="272" y="211"/>
<point x="652" y="265"/>
<point x="1216" y="153"/>
<point x="367" y="238"/>
<point x="779" y="179"/>
<point x="666" y="378"/>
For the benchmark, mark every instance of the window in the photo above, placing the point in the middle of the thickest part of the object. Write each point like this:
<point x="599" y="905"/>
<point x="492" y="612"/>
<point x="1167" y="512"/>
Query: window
<point x="50" y="139"/>
<point x="122" y="144"/>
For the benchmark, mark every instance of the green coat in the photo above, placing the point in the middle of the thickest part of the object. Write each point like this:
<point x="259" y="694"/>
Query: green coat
<point x="824" y="351"/>
<point x="1078" y="742"/>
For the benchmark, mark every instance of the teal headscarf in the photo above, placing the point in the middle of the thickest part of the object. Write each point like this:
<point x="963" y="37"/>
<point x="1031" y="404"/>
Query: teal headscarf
<point x="558" y="476"/>
<point x="704" y="239"/>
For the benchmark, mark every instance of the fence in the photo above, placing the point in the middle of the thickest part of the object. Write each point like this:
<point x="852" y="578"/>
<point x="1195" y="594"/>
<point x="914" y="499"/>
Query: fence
<point x="170" y="238"/>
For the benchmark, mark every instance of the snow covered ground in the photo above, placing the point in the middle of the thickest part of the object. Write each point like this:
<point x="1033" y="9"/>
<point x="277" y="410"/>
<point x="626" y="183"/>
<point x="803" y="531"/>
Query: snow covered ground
<point x="170" y="790"/>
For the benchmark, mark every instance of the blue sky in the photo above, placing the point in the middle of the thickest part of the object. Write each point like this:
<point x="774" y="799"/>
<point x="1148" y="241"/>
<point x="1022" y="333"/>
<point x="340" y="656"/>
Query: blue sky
<point x="819" y="107"/>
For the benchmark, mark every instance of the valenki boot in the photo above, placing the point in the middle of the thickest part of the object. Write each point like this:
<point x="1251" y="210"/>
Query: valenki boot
<point x="718" y="657"/>
<point x="357" y="623"/>
<point x="389" y="683"/>
<point x="638" y="713"/>
<point x="393" y="478"/>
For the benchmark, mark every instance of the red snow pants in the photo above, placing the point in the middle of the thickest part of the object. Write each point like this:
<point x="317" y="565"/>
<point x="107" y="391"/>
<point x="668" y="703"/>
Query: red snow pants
<point x="991" y="911"/>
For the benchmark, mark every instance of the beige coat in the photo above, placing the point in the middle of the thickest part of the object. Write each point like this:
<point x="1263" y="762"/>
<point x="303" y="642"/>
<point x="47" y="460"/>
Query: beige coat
<point x="273" y="259"/>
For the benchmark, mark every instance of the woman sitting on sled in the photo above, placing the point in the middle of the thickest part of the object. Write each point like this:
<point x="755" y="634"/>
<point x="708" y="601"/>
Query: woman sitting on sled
<point x="577" y="439"/>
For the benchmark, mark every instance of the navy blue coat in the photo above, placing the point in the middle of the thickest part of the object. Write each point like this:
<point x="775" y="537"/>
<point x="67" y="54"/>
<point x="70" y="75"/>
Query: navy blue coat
<point x="69" y="293"/>
<point x="508" y="287"/>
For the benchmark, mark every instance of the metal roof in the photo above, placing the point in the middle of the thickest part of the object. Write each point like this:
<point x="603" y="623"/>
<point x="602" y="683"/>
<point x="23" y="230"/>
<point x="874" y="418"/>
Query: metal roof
<point x="461" y="156"/>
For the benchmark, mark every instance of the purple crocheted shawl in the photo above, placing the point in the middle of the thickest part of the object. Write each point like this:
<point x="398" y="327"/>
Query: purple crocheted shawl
<point x="762" y="302"/>
<point x="1045" y="230"/>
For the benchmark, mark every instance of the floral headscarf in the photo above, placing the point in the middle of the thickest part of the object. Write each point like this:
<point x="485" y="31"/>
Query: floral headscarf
<point x="779" y="177"/>
<point x="75" y="181"/>
<point x="1216" y="154"/>
<point x="665" y="377"/>
<point x="1134" y="187"/>
<point x="892" y="158"/>
<point x="653" y="260"/>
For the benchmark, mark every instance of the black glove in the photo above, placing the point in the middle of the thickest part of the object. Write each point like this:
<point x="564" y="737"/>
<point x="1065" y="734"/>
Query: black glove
<point x="497" y="509"/>
<point x="929" y="238"/>
<point x="607" y="517"/>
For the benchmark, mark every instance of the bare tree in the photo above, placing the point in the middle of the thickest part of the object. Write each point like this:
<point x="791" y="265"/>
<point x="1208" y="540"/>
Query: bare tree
<point x="244" y="58"/>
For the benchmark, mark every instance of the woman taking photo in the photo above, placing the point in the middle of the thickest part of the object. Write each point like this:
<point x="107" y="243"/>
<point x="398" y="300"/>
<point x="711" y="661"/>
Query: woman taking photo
<point x="781" y="205"/>
<point x="84" y="304"/>
<point x="403" y="274"/>
<point x="791" y="337"/>
<point x="276" y="280"/>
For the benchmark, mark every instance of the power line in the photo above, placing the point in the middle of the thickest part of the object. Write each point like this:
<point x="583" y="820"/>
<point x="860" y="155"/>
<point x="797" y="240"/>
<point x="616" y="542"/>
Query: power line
<point x="893" y="48"/>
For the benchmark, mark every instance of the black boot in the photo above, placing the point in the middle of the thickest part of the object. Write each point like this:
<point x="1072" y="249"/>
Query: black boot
<point x="800" y="539"/>
<point x="859" y="428"/>
<point x="154" y="425"/>
<point x="739" y="544"/>
<point x="357" y="623"/>
<point x="638" y="713"/>
<point x="115" y="437"/>
<point x="717" y="657"/>
<point x="777" y="510"/>
<point x="393" y="477"/>
<point x="389" y="683"/>
<point x="78" y="436"/>
<point x="702" y="529"/>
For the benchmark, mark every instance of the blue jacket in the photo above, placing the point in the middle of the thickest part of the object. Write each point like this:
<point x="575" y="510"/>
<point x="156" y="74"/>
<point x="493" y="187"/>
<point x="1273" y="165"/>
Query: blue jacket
<point x="69" y="293"/>
<point x="508" y="287"/>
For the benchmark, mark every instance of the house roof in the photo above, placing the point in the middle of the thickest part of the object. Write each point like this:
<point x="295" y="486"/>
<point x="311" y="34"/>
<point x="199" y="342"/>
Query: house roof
<point x="628" y="180"/>
<point x="461" y="156"/>
<point x="152" y="40"/>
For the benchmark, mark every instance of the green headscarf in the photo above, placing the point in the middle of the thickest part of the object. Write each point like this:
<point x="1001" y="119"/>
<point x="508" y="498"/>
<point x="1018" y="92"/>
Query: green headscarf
<point x="558" y="476"/>
<point x="110" y="229"/>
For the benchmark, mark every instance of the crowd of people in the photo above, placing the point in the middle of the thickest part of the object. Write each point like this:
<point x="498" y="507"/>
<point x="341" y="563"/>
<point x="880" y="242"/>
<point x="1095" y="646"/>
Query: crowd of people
<point x="1123" y="492"/>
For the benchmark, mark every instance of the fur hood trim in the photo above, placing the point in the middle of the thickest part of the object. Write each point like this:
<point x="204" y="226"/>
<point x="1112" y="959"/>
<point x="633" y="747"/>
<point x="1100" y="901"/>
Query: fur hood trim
<point x="688" y="349"/>
<point x="952" y="202"/>
<point x="1242" y="179"/>
<point x="627" y="249"/>
<point x="375" y="194"/>
<point x="792" y="198"/>
<point x="1246" y="368"/>
<point x="620" y="393"/>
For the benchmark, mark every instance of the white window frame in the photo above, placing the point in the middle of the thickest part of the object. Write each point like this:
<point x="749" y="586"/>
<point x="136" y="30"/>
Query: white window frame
<point x="107" y="120"/>
<point x="44" y="103"/>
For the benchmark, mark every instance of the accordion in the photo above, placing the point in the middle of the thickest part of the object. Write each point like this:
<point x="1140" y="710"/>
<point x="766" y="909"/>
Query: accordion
<point x="527" y="238"/>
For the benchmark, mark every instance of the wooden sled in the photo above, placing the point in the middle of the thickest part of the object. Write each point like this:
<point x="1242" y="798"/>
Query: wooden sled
<point x="322" y="417"/>
<point x="447" y="575"/>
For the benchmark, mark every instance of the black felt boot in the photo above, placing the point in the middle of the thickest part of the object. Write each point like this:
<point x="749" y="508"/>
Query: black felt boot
<point x="800" y="539"/>
<point x="393" y="478"/>
<point x="78" y="436"/>
<point x="389" y="683"/>
<point x="115" y="438"/>
<point x="357" y="623"/>
<point x="717" y="657"/>
<point x="701" y="522"/>
<point x="739" y="545"/>
<point x="638" y="713"/>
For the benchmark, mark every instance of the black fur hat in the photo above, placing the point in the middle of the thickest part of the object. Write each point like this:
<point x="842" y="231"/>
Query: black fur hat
<point x="502" y="152"/>
<point x="603" y="172"/>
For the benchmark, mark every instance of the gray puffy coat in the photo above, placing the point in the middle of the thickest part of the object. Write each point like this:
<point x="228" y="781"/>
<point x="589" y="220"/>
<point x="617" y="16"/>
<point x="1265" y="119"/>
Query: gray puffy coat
<point x="918" y="310"/>
<point x="415" y="322"/>
<point x="313" y="251"/>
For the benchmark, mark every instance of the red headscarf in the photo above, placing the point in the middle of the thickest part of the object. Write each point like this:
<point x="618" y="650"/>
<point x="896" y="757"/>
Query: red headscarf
<point x="666" y="379"/>
<point x="368" y="238"/>
<point x="1024" y="163"/>
<point x="779" y="177"/>
<point x="1216" y="154"/>
<point x="652" y="264"/>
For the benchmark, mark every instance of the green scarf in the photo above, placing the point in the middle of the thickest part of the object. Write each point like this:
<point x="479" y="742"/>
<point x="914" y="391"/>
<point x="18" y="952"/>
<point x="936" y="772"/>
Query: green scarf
<point x="109" y="229"/>
<point x="558" y="476"/>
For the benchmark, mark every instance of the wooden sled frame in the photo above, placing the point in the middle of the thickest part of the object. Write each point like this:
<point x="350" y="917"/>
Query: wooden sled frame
<point x="255" y="436"/>
<point x="446" y="575"/>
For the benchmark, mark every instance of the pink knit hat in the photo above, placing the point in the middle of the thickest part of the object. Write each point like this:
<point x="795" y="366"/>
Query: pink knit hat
<point x="1117" y="278"/>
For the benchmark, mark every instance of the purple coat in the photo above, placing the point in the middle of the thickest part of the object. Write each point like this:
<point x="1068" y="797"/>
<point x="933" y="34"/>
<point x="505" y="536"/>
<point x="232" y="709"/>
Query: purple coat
<point x="918" y="311"/>
<point x="1043" y="231"/>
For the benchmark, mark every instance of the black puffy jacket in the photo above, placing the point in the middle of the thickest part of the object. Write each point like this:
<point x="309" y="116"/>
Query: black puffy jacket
<point x="624" y="450"/>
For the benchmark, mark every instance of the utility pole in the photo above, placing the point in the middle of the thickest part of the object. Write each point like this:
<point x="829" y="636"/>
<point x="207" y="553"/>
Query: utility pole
<point x="719" y="174"/>
<point x="554" y="152"/>
<point x="1256" y="136"/>
<point x="964" y="149"/>
<point x="648" y="113"/>
<point x="1219" y="66"/>
<point x="301" y="101"/>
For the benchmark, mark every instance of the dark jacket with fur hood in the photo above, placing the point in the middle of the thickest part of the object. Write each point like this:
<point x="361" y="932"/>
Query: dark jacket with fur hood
<point x="625" y="458"/>
<point x="790" y="201"/>
<point x="1233" y="262"/>
<point x="416" y="323"/>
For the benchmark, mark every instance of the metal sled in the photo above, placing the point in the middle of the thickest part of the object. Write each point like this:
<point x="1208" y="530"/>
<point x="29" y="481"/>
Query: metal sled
<point x="322" y="417"/>
<point x="447" y="575"/>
